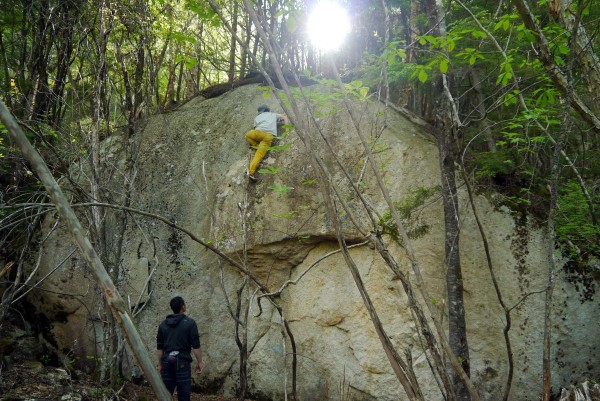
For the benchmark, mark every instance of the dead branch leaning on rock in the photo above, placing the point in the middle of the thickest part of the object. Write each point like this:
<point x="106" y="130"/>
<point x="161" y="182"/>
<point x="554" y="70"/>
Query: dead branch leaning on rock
<point x="113" y="298"/>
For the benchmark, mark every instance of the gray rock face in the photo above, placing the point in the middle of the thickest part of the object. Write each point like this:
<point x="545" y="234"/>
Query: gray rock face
<point x="191" y="170"/>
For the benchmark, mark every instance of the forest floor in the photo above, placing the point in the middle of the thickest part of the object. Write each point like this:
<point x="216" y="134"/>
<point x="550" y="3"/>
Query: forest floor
<point x="137" y="392"/>
<point x="29" y="372"/>
<point x="34" y="381"/>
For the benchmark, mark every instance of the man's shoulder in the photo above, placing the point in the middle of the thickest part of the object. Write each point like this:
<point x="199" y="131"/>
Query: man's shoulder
<point x="188" y="320"/>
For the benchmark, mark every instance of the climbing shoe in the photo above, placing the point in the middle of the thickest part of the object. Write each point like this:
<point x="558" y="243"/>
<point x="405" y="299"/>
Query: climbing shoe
<point x="251" y="177"/>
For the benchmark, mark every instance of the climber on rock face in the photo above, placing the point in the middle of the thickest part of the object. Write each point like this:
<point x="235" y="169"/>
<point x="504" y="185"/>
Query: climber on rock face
<point x="265" y="130"/>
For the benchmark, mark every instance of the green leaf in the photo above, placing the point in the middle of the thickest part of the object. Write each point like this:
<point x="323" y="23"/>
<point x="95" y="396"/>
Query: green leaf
<point x="181" y="37"/>
<point x="539" y="139"/>
<point x="451" y="45"/>
<point x="364" y="91"/>
<point x="190" y="62"/>
<point x="283" y="189"/>
<point x="193" y="7"/>
<point x="422" y="76"/>
<point x="284" y="146"/>
<point x="444" y="66"/>
<point x="504" y="78"/>
<point x="215" y="21"/>
<point x="270" y="170"/>
<point x="478" y="34"/>
<point x="529" y="35"/>
<point x="391" y="58"/>
<point x="510" y="98"/>
<point x="430" y="39"/>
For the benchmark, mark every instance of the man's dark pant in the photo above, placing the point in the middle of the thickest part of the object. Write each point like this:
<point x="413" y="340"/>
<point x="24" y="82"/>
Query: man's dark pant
<point x="176" y="372"/>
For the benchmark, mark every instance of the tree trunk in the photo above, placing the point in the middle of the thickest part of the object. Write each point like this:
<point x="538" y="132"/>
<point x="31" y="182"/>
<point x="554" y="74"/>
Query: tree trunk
<point x="7" y="79"/>
<point x="138" y="93"/>
<point x="244" y="49"/>
<point x="170" y="93"/>
<point x="457" y="329"/>
<point x="234" y="24"/>
<point x="69" y="13"/>
<point x="555" y="170"/>
<point x="155" y="67"/>
<point x="38" y="67"/>
<point x="446" y="123"/>
<point x="583" y="45"/>
<point x="180" y="81"/>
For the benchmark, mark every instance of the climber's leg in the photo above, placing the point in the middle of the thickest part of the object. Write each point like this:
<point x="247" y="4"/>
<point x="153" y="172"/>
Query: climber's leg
<point x="263" y="147"/>
<point x="252" y="137"/>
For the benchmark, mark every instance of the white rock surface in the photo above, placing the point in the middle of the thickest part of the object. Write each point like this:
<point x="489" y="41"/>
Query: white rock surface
<point x="191" y="170"/>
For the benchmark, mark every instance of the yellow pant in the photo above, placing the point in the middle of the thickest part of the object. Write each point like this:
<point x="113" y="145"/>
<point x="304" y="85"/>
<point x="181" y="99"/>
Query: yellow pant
<point x="263" y="140"/>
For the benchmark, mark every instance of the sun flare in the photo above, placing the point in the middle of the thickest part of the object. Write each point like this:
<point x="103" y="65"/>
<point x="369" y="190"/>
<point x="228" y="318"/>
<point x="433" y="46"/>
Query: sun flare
<point x="328" y="25"/>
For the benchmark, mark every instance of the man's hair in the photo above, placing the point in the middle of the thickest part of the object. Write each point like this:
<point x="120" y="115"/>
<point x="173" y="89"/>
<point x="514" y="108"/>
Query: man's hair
<point x="262" y="108"/>
<point x="176" y="304"/>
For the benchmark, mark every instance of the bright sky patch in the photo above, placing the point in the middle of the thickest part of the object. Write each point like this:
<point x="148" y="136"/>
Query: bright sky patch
<point x="328" y="25"/>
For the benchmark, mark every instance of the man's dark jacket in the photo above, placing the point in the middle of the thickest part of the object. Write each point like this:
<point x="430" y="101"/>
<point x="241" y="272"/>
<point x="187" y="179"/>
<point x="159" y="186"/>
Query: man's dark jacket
<point x="178" y="333"/>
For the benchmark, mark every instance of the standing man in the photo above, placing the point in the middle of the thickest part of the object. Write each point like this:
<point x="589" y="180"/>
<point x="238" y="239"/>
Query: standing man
<point x="177" y="337"/>
<point x="265" y="129"/>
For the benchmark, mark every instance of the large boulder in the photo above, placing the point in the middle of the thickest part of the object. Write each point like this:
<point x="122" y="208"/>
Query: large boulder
<point x="191" y="170"/>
